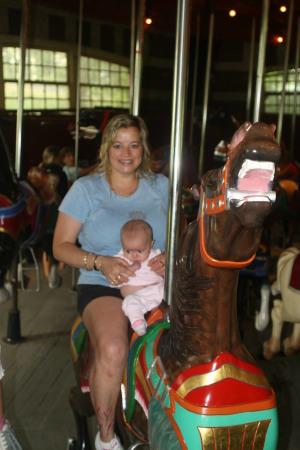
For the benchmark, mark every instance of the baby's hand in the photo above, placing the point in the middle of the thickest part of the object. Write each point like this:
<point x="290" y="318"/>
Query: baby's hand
<point x="135" y="266"/>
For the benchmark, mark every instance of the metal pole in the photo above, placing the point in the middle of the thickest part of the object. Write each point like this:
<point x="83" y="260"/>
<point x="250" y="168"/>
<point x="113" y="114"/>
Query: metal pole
<point x="138" y="59"/>
<point x="285" y="71"/>
<point x="195" y="78"/>
<point x="23" y="37"/>
<point x="78" y="87"/>
<point x="261" y="60"/>
<point x="206" y="88"/>
<point x="250" y="77"/>
<point x="73" y="280"/>
<point x="132" y="45"/>
<point x="178" y="115"/>
<point x="293" y="126"/>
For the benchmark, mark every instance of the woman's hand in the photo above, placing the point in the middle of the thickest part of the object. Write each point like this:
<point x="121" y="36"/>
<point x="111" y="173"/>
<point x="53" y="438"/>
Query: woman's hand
<point x="116" y="270"/>
<point x="157" y="264"/>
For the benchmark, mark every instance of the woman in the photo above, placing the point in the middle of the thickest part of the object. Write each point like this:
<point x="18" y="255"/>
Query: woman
<point x="123" y="187"/>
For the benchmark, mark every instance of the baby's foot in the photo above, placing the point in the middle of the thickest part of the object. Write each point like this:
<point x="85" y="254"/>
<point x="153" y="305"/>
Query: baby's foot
<point x="139" y="326"/>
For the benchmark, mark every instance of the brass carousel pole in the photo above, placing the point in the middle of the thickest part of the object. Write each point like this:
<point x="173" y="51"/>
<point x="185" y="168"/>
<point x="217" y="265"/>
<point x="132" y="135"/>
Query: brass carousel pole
<point x="138" y="59"/>
<point x="295" y="91"/>
<point x="261" y="60"/>
<point x="177" y="130"/>
<point x="206" y="89"/>
<point x="285" y="71"/>
<point x="77" y="119"/>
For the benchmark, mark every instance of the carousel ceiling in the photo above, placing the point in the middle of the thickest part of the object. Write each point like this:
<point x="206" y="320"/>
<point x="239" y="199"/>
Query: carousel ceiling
<point x="163" y="14"/>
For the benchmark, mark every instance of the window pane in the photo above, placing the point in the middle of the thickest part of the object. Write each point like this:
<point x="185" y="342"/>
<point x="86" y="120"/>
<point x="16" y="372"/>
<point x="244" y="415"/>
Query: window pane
<point x="104" y="65"/>
<point x="63" y="92"/>
<point x="48" y="58"/>
<point x="38" y="104"/>
<point x="84" y="76"/>
<point x="27" y="103"/>
<point x="61" y="59"/>
<point x="11" y="104"/>
<point x="93" y="77"/>
<point x="38" y="90"/>
<point x="115" y="79"/>
<point x="35" y="57"/>
<point x="11" y="89"/>
<point x="63" y="104"/>
<point x="124" y="78"/>
<point x="50" y="91"/>
<point x="84" y="92"/>
<point x="9" y="71"/>
<point x="51" y="103"/>
<point x="104" y="77"/>
<point x="83" y="62"/>
<point x="48" y="73"/>
<point x="107" y="94"/>
<point x="27" y="90"/>
<point x="61" y="74"/>
<point x="95" y="92"/>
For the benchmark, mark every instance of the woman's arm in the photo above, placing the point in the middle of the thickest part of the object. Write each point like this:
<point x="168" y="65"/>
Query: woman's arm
<point x="65" y="249"/>
<point x="64" y="241"/>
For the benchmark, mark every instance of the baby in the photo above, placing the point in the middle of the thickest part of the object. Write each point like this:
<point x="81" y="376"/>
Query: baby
<point x="145" y="291"/>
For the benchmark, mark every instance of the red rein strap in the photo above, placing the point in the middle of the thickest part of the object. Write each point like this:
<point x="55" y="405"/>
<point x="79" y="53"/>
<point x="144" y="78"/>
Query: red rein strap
<point x="211" y="206"/>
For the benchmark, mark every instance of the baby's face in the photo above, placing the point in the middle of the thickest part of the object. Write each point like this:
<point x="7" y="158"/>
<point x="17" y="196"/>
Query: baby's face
<point x="136" y="248"/>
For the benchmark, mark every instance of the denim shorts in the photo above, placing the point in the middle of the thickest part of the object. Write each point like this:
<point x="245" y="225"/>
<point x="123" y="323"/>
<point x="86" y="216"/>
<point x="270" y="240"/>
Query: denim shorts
<point x="88" y="292"/>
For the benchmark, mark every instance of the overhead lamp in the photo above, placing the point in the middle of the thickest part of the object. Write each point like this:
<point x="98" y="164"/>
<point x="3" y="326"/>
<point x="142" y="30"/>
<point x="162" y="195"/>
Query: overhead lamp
<point x="148" y="20"/>
<point x="283" y="8"/>
<point x="279" y="39"/>
<point x="232" y="13"/>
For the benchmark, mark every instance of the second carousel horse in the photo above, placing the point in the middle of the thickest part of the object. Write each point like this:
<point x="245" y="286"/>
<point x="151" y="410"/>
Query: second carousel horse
<point x="286" y="309"/>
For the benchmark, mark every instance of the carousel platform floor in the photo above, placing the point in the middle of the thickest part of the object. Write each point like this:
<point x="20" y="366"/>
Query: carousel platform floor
<point x="39" y="370"/>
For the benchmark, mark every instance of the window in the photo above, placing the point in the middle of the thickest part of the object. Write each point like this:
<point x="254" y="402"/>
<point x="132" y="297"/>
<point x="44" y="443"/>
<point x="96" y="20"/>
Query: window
<point x="45" y="81"/>
<point x="273" y="88"/>
<point x="103" y="84"/>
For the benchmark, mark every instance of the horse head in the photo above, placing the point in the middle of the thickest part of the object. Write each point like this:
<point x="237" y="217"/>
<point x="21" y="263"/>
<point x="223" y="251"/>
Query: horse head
<point x="242" y="192"/>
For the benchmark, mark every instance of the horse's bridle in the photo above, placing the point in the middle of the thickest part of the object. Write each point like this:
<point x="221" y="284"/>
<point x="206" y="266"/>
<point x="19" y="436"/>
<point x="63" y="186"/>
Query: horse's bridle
<point x="216" y="205"/>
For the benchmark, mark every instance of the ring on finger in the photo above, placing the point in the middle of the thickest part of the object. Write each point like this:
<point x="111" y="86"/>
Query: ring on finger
<point x="119" y="277"/>
<point x="112" y="281"/>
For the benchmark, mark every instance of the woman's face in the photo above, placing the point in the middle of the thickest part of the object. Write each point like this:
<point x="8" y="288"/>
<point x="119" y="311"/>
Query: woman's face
<point x="126" y="153"/>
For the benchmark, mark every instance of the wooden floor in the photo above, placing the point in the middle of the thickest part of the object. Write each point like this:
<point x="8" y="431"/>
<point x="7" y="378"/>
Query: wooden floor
<point x="39" y="370"/>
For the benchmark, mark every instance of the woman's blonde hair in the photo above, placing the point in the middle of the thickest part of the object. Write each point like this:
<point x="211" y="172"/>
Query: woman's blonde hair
<point x="109" y="136"/>
<point x="50" y="154"/>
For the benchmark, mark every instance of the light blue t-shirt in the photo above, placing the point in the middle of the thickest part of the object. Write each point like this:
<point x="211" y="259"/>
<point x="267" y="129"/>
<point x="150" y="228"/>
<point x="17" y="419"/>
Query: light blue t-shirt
<point x="102" y="214"/>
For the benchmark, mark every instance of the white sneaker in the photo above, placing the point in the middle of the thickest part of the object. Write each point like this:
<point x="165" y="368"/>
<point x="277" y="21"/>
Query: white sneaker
<point x="114" y="444"/>
<point x="8" y="440"/>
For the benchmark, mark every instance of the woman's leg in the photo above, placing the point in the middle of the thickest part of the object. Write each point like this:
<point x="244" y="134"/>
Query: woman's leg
<point x="108" y="330"/>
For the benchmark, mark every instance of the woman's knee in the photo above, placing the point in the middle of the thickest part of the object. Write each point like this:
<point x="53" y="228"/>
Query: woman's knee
<point x="113" y="351"/>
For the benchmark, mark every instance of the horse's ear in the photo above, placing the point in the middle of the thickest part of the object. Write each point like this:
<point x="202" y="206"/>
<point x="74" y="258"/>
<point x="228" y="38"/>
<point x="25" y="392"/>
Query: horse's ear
<point x="239" y="135"/>
<point x="195" y="189"/>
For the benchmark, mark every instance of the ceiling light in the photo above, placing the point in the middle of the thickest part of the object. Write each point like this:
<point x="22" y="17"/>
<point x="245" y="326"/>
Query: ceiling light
<point x="282" y="8"/>
<point x="232" y="13"/>
<point x="148" y="20"/>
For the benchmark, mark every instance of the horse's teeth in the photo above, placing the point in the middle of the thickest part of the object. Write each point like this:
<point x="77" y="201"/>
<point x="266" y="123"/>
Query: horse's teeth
<point x="249" y="164"/>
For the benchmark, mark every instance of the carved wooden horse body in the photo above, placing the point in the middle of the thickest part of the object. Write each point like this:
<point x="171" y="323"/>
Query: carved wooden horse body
<point x="195" y="381"/>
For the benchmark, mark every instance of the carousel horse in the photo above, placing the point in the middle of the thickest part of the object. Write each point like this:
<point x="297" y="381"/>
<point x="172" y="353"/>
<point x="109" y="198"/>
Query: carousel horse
<point x="189" y="383"/>
<point x="24" y="212"/>
<point x="288" y="308"/>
